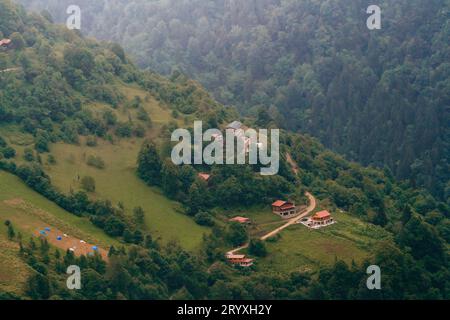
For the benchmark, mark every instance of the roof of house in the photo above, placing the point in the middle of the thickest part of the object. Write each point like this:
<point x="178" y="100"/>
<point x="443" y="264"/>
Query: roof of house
<point x="235" y="256"/>
<point x="322" y="214"/>
<point x="240" y="219"/>
<point x="5" y="41"/>
<point x="204" y="176"/>
<point x="278" y="203"/>
<point x="287" y="206"/>
<point x="235" y="125"/>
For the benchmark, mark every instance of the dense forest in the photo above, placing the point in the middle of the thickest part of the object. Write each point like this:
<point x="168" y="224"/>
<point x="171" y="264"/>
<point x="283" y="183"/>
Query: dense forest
<point x="60" y="72"/>
<point x="379" y="97"/>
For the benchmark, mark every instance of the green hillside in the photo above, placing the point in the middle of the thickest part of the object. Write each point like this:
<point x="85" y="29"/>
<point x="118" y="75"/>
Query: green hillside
<point x="85" y="151"/>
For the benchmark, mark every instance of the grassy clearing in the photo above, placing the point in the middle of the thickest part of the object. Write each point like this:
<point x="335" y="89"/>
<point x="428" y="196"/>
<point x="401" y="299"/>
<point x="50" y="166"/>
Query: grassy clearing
<point x="29" y="212"/>
<point x="158" y="114"/>
<point x="300" y="248"/>
<point x="14" y="136"/>
<point x="118" y="182"/>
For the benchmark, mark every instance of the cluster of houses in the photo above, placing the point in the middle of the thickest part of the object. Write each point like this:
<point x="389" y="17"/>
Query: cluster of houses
<point x="239" y="131"/>
<point x="283" y="209"/>
<point x="286" y="210"/>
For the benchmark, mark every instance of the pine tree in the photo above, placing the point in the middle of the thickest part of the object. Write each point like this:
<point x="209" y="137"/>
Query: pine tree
<point x="149" y="164"/>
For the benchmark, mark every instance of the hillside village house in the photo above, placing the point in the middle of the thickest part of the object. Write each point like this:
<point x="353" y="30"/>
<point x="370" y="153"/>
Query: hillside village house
<point x="284" y="209"/>
<point x="239" y="260"/>
<point x="241" y="220"/>
<point x="204" y="176"/>
<point x="5" y="43"/>
<point x="319" y="220"/>
<point x="239" y="133"/>
<point x="236" y="125"/>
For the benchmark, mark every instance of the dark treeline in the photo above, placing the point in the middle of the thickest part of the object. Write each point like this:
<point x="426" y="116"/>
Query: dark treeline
<point x="379" y="97"/>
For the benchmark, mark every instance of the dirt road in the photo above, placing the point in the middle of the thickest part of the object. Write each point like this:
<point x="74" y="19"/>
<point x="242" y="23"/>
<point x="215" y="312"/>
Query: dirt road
<point x="9" y="70"/>
<point x="309" y="209"/>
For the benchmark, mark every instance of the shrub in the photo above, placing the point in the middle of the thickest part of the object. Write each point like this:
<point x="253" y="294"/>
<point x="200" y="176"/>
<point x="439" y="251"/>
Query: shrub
<point x="139" y="131"/>
<point x="51" y="159"/>
<point x="88" y="184"/>
<point x="257" y="248"/>
<point x="96" y="162"/>
<point x="204" y="219"/>
<point x="124" y="130"/>
<point x="2" y="143"/>
<point x="41" y="144"/>
<point x="8" y="152"/>
<point x="143" y="115"/>
<point x="28" y="155"/>
<point x="91" y="141"/>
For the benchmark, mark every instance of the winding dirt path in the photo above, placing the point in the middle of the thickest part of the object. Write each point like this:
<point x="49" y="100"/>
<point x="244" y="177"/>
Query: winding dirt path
<point x="10" y="70"/>
<point x="291" y="161"/>
<point x="312" y="205"/>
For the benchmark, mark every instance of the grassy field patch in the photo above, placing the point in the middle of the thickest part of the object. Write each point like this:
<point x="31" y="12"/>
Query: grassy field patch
<point x="301" y="248"/>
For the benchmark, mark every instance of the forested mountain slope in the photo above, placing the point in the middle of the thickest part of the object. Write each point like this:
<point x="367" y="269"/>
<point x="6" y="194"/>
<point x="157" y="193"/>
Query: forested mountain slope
<point x="68" y="95"/>
<point x="379" y="97"/>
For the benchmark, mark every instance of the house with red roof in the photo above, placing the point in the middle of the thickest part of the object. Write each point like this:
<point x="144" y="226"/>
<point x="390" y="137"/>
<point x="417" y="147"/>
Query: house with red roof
<point x="241" y="220"/>
<point x="204" y="176"/>
<point x="4" y="43"/>
<point x="239" y="260"/>
<point x="319" y="220"/>
<point x="284" y="209"/>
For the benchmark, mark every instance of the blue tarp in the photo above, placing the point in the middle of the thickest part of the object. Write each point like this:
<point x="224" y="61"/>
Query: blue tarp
<point x="47" y="229"/>
<point x="42" y="232"/>
<point x="94" y="248"/>
<point x="59" y="238"/>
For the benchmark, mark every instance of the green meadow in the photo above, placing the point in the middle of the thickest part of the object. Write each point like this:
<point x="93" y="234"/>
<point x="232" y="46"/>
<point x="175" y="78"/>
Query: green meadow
<point x="302" y="249"/>
<point x="118" y="182"/>
<point x="30" y="211"/>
